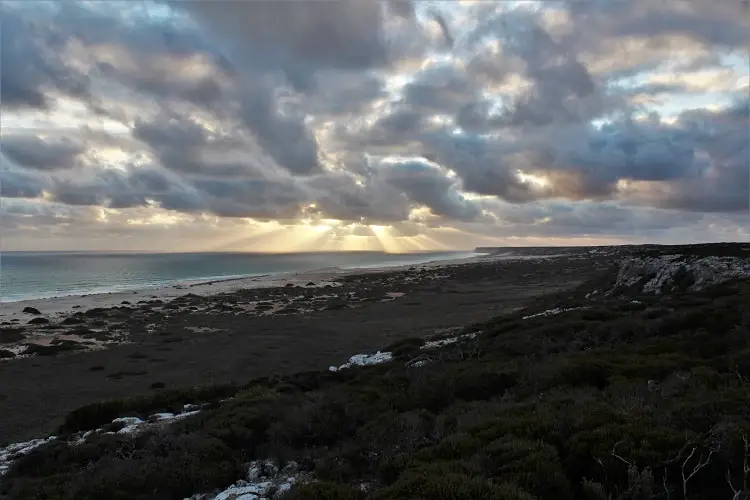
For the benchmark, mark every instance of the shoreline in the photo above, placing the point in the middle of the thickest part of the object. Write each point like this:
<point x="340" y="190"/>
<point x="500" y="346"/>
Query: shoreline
<point x="43" y="327"/>
<point x="67" y="304"/>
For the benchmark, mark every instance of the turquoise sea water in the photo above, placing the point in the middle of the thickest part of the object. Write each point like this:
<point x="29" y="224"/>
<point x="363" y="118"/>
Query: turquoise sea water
<point x="32" y="275"/>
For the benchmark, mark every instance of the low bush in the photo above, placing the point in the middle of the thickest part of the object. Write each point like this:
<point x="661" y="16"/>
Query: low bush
<point x="599" y="404"/>
<point x="324" y="491"/>
<point x="95" y="415"/>
<point x="422" y="485"/>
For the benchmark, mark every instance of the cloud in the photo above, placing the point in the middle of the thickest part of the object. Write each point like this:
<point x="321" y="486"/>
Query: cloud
<point x="307" y="34"/>
<point x="428" y="185"/>
<point x="41" y="154"/>
<point x="31" y="67"/>
<point x="721" y="25"/>
<point x="20" y="184"/>
<point x="284" y="136"/>
<point x="345" y="93"/>
<point x="484" y="119"/>
<point x="339" y="196"/>
<point x="442" y="88"/>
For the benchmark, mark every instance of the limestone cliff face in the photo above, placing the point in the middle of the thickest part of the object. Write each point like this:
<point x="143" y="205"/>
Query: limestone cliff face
<point x="666" y="273"/>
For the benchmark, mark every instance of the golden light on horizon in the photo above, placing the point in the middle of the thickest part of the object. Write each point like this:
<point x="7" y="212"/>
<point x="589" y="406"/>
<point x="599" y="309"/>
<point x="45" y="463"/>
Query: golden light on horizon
<point x="273" y="236"/>
<point x="387" y="241"/>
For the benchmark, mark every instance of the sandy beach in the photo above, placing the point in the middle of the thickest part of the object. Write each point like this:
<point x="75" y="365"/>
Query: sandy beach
<point x="70" y="303"/>
<point x="67" y="304"/>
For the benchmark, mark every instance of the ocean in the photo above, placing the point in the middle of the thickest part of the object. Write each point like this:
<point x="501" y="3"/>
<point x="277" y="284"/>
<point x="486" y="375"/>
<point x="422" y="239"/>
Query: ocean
<point x="37" y="275"/>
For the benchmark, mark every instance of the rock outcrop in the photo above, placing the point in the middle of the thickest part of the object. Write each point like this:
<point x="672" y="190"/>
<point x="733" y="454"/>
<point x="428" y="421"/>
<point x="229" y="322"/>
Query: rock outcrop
<point x="667" y="273"/>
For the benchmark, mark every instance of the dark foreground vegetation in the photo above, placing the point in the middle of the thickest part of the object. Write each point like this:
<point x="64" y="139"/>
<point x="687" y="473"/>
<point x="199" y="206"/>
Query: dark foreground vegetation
<point x="623" y="399"/>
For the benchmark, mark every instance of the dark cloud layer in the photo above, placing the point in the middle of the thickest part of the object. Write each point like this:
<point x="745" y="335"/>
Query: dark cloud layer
<point x="20" y="184"/>
<point x="428" y="185"/>
<point x="305" y="35"/>
<point x="481" y="116"/>
<point x="37" y="153"/>
<point x="31" y="66"/>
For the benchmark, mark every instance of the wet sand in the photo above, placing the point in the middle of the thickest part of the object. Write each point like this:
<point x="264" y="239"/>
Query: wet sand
<point x="239" y="333"/>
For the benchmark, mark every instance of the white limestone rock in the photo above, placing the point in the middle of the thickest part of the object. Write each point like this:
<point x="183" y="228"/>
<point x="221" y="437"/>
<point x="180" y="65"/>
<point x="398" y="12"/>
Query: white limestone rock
<point x="657" y="275"/>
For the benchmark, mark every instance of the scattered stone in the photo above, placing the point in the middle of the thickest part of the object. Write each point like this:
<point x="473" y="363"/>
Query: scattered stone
<point x="80" y="331"/>
<point x="11" y="452"/>
<point x="125" y="302"/>
<point x="264" y="481"/>
<point x="364" y="360"/>
<point x="336" y="303"/>
<point x="551" y="312"/>
<point x="156" y="417"/>
<point x="287" y="310"/>
<point x="6" y="354"/>
<point x="432" y="344"/>
<point x="10" y="335"/>
<point x="129" y="424"/>
<point x="51" y="350"/>
<point x="72" y="321"/>
<point x="39" y="321"/>
<point x="31" y="310"/>
<point x="95" y="312"/>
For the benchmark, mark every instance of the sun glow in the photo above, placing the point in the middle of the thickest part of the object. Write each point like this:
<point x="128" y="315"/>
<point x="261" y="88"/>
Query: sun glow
<point x="534" y="180"/>
<point x="158" y="219"/>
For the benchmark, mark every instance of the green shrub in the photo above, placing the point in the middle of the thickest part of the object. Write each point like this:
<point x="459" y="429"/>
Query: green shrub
<point x="544" y="408"/>
<point x="533" y="465"/>
<point x="421" y="485"/>
<point x="477" y="382"/>
<point x="323" y="491"/>
<point x="453" y="447"/>
<point x="153" y="467"/>
<point x="95" y="415"/>
<point x="405" y="348"/>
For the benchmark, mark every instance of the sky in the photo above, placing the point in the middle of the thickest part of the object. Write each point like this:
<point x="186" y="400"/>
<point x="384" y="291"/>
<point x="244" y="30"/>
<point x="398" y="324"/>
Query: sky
<point x="401" y="126"/>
